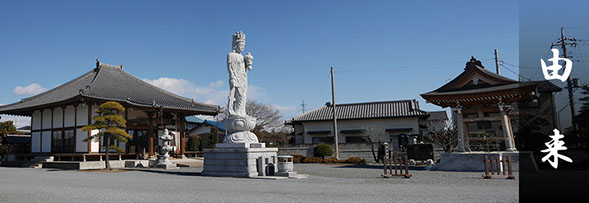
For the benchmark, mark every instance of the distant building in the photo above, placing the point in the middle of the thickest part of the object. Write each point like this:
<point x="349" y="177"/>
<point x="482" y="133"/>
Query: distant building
<point x="25" y="130"/>
<point x="436" y="121"/>
<point x="203" y="128"/>
<point x="21" y="143"/>
<point x="398" y="120"/>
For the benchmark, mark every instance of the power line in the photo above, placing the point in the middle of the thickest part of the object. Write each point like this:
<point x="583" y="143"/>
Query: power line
<point x="521" y="76"/>
<point x="517" y="66"/>
<point x="399" y="68"/>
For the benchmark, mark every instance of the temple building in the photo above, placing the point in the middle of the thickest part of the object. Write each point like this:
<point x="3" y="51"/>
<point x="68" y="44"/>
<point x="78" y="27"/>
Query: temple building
<point x="58" y="115"/>
<point x="483" y="104"/>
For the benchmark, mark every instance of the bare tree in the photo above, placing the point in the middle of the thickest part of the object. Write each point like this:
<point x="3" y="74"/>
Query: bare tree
<point x="266" y="115"/>
<point x="443" y="134"/>
<point x="373" y="134"/>
<point x="268" y="121"/>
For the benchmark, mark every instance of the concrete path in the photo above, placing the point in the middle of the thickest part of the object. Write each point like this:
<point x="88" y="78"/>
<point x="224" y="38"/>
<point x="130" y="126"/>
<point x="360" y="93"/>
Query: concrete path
<point x="189" y="162"/>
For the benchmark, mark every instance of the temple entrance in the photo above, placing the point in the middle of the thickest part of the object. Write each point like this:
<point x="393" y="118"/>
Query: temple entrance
<point x="139" y="143"/>
<point x="63" y="141"/>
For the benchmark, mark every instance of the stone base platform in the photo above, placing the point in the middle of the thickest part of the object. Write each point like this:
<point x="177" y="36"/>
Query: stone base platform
<point x="240" y="160"/>
<point x="473" y="161"/>
<point x="292" y="175"/>
<point x="167" y="166"/>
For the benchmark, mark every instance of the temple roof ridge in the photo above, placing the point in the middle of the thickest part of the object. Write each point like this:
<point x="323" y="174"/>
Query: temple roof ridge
<point x="109" y="83"/>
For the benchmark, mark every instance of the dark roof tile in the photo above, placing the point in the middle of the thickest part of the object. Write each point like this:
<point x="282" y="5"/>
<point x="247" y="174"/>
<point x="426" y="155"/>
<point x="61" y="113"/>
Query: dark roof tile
<point x="385" y="109"/>
<point x="112" y="83"/>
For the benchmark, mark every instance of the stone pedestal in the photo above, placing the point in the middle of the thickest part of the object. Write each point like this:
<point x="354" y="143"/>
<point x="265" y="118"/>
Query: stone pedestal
<point x="240" y="160"/>
<point x="163" y="162"/>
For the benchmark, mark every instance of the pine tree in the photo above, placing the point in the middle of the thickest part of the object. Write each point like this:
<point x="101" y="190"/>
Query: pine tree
<point x="213" y="138"/>
<point x="194" y="143"/>
<point x="109" y="122"/>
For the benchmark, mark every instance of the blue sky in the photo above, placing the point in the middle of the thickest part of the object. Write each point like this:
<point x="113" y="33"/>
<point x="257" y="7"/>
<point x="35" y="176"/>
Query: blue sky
<point x="381" y="50"/>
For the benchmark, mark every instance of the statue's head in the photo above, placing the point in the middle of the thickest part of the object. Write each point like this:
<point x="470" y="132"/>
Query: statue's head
<point x="238" y="42"/>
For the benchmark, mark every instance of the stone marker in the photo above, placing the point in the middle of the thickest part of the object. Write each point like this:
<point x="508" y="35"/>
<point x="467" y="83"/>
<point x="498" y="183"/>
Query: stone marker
<point x="164" y="145"/>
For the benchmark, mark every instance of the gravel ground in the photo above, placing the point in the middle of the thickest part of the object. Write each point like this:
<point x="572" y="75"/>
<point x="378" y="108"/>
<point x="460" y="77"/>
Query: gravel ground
<point x="326" y="183"/>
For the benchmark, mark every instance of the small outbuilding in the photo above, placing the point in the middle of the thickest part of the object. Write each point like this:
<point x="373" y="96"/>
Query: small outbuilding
<point x="396" y="122"/>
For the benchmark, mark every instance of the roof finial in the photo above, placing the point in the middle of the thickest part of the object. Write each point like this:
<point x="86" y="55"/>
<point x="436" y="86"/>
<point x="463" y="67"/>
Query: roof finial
<point x="475" y="62"/>
<point x="97" y="63"/>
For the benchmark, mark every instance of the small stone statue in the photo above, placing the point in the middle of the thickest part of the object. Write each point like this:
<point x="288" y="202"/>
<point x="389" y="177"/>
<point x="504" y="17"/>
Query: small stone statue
<point x="164" y="148"/>
<point x="239" y="123"/>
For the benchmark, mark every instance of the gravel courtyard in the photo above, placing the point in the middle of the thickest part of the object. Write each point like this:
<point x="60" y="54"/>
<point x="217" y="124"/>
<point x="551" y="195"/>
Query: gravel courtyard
<point x="326" y="183"/>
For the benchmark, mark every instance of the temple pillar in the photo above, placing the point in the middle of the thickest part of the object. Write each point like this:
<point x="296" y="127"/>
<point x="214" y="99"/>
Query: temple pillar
<point x="150" y="133"/>
<point x="181" y="124"/>
<point x="506" y="126"/>
<point x="459" y="128"/>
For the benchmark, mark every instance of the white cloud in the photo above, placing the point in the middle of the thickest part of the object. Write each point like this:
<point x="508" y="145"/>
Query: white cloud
<point x="19" y="121"/>
<point x="211" y="94"/>
<point x="32" y="89"/>
<point x="216" y="84"/>
<point x="256" y="93"/>
<point x="176" y="86"/>
<point x="285" y="109"/>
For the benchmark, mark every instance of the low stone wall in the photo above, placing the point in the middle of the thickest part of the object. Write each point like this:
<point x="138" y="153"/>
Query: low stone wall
<point x="473" y="161"/>
<point x="346" y="150"/>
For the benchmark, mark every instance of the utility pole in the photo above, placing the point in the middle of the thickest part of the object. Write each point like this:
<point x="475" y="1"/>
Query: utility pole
<point x="334" y="116"/>
<point x="303" y="104"/>
<point x="563" y="45"/>
<point x="497" y="62"/>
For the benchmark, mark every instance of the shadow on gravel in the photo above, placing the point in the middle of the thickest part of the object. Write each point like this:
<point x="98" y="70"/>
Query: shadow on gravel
<point x="380" y="167"/>
<point x="58" y="169"/>
<point x="181" y="173"/>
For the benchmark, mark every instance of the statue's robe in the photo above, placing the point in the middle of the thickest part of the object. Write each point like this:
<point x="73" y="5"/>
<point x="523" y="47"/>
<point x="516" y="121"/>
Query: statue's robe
<point x="238" y="72"/>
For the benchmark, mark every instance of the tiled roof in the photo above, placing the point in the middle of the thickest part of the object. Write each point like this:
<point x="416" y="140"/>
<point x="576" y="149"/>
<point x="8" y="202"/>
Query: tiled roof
<point x="546" y="86"/>
<point x="110" y="83"/>
<point x="384" y="109"/>
<point x="17" y="139"/>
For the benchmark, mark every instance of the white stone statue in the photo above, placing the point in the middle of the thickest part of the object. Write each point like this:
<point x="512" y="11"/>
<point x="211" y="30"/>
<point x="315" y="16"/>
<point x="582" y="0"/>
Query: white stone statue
<point x="238" y="122"/>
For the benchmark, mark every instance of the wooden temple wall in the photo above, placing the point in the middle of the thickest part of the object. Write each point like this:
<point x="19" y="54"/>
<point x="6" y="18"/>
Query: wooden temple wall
<point x="65" y="120"/>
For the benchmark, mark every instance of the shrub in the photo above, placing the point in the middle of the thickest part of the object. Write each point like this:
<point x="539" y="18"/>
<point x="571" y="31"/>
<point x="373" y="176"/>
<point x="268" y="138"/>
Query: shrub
<point x="354" y="160"/>
<point x="313" y="160"/>
<point x="296" y="158"/>
<point x="322" y="150"/>
<point x="194" y="143"/>
<point x="330" y="160"/>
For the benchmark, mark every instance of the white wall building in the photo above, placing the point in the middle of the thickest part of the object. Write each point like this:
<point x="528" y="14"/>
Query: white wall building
<point x="396" y="122"/>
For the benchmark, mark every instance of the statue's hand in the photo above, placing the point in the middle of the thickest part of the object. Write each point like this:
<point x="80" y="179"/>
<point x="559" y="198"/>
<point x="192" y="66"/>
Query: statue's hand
<point x="232" y="82"/>
<point x="248" y="59"/>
